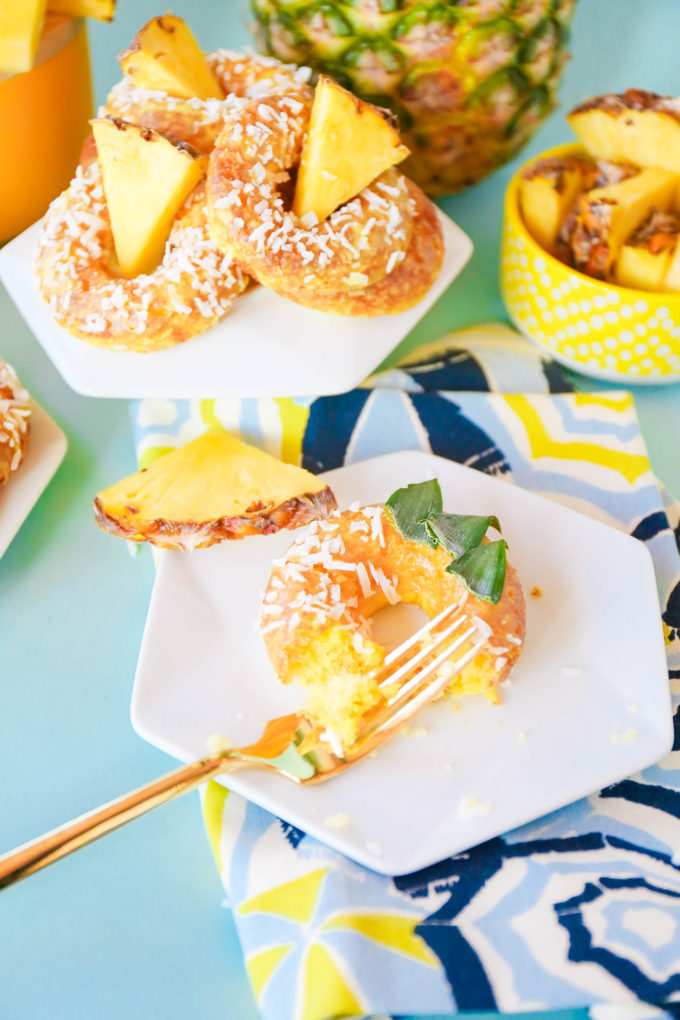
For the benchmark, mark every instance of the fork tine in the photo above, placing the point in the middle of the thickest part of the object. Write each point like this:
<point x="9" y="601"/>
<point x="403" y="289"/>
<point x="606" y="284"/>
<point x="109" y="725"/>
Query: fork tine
<point x="426" y="683"/>
<point x="425" y="629"/>
<point x="427" y="649"/>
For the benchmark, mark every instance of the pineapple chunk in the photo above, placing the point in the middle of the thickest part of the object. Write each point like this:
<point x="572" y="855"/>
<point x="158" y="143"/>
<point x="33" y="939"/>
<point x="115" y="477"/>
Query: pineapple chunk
<point x="642" y="269"/>
<point x="103" y="10"/>
<point x="547" y="192"/>
<point x="20" y="26"/>
<point x="671" y="281"/>
<point x="214" y="487"/>
<point x="636" y="127"/>
<point x="147" y="176"/>
<point x="164" y="55"/>
<point x="645" y="258"/>
<point x="610" y="214"/>
<point x="348" y="145"/>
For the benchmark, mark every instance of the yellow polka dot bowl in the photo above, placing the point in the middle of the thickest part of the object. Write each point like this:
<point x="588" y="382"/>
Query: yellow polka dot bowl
<point x="614" y="333"/>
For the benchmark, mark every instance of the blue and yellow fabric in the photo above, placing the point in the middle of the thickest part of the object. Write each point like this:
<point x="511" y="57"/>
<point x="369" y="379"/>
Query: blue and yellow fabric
<point x="577" y="909"/>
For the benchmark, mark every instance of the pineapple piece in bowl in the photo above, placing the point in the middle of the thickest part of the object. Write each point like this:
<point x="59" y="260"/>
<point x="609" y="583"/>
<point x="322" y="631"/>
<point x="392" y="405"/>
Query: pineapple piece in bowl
<point x="547" y="192"/>
<point x="607" y="216"/>
<point x="213" y="488"/>
<point x="644" y="261"/>
<point x="637" y="127"/>
<point x="592" y="325"/>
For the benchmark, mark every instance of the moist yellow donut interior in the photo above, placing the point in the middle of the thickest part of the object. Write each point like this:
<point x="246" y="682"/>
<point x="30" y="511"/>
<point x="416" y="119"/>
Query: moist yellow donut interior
<point x="342" y="682"/>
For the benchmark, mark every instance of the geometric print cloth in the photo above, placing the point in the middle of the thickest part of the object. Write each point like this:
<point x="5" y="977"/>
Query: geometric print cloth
<point x="576" y="909"/>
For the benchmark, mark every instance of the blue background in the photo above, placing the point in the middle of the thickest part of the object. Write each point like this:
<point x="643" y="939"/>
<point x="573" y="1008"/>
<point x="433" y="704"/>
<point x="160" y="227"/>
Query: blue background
<point x="132" y="926"/>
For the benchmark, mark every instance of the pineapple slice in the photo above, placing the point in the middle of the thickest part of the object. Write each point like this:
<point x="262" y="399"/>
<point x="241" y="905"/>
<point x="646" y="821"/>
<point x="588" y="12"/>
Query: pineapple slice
<point x="20" y="26"/>
<point x="348" y="145"/>
<point x="636" y="127"/>
<point x="214" y="487"/>
<point x="102" y="10"/>
<point x="645" y="258"/>
<point x="164" y="55"/>
<point x="547" y="192"/>
<point x="147" y="176"/>
<point x="671" y="281"/>
<point x="607" y="216"/>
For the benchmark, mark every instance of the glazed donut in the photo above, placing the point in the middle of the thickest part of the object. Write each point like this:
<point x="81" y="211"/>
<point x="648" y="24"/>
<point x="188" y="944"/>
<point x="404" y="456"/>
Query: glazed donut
<point x="405" y="285"/>
<point x="358" y="245"/>
<point x="190" y="290"/>
<point x="15" y="416"/>
<point x="319" y="598"/>
<point x="199" y="121"/>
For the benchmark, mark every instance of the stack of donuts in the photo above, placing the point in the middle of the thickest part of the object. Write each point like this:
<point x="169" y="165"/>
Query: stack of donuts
<point x="376" y="254"/>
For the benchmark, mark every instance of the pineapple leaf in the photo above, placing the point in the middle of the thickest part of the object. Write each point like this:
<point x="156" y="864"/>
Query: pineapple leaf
<point x="411" y="509"/>
<point x="459" y="532"/>
<point x="482" y="570"/>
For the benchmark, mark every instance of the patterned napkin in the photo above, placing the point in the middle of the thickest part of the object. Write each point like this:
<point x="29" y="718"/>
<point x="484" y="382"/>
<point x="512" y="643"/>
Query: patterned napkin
<point x="579" y="908"/>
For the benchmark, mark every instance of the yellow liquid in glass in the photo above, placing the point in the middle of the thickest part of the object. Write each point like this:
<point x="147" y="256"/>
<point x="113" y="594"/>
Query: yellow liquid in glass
<point x="44" y="116"/>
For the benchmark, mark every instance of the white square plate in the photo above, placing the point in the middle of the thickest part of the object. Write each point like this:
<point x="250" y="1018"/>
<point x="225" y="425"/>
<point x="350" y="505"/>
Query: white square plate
<point x="44" y="453"/>
<point x="265" y="346"/>
<point x="593" y="669"/>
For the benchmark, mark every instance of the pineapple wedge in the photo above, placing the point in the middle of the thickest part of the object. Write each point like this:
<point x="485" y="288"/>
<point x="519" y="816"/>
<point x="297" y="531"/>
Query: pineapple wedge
<point x="147" y="176"/>
<point x="102" y="10"/>
<point x="607" y="216"/>
<point x="636" y="127"/>
<point x="642" y="269"/>
<point x="348" y="145"/>
<point x="214" y="487"/>
<point x="671" y="281"/>
<point x="645" y="259"/>
<point x="164" y="55"/>
<point x="547" y="192"/>
<point x="21" y="24"/>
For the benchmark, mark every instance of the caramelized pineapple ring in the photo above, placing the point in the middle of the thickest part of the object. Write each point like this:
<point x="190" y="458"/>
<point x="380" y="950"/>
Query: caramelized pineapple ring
<point x="320" y="596"/>
<point x="359" y="244"/>
<point x="15" y="415"/>
<point x="199" y="121"/>
<point x="190" y="290"/>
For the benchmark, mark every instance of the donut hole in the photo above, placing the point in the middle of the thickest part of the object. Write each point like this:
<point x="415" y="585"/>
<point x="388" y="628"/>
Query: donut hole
<point x="392" y="625"/>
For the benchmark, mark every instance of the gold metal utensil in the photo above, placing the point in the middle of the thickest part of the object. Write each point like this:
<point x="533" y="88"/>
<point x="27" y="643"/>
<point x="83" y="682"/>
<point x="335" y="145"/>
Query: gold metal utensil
<point x="414" y="673"/>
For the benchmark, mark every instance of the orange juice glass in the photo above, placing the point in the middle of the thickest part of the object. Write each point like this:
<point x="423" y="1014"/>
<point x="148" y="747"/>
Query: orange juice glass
<point x="44" y="117"/>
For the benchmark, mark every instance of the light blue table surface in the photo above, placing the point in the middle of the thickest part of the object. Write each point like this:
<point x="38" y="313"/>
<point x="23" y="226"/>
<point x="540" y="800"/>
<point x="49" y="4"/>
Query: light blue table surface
<point x="132" y="926"/>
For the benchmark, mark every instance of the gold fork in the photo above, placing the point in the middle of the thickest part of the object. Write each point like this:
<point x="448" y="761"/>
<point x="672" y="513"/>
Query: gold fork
<point x="413" y="674"/>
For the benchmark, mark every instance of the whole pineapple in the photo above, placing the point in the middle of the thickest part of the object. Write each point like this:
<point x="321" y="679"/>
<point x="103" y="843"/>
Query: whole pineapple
<point x="470" y="80"/>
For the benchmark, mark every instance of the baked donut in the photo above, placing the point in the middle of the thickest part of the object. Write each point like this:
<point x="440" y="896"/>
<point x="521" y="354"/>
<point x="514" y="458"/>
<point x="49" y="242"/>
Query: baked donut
<point x="199" y="121"/>
<point x="316" y="609"/>
<point x="15" y="416"/>
<point x="191" y="289"/>
<point x="361" y="243"/>
<point x="407" y="284"/>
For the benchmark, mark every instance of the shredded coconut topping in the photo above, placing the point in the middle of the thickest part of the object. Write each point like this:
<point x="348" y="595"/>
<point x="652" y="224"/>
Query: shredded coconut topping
<point x="14" y="419"/>
<point x="193" y="286"/>
<point x="243" y="77"/>
<point x="356" y="245"/>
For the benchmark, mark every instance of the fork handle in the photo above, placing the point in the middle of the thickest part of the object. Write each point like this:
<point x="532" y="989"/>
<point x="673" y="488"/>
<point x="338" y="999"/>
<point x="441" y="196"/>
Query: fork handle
<point x="40" y="852"/>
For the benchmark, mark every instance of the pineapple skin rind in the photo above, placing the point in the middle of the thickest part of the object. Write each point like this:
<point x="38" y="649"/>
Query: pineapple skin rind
<point x="470" y="84"/>
<point x="293" y="513"/>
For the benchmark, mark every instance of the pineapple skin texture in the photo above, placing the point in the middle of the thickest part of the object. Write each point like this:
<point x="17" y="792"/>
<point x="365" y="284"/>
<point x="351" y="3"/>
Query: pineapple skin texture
<point x="469" y="82"/>
<point x="187" y="535"/>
